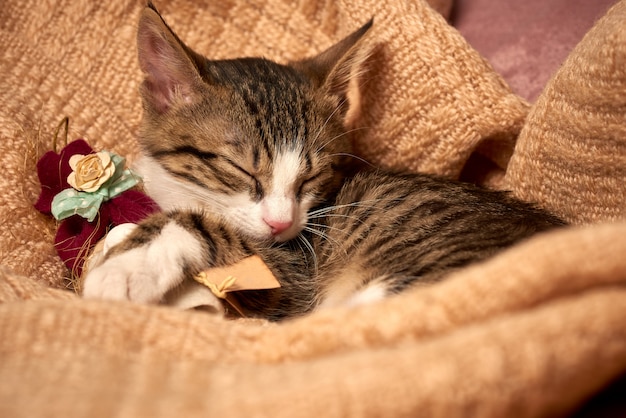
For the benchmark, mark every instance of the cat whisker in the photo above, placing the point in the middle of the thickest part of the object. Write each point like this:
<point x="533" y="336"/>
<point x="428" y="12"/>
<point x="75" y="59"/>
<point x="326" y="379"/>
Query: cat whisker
<point x="321" y="148"/>
<point x="308" y="245"/>
<point x="325" y="210"/>
<point x="321" y="129"/>
<point x="347" y="154"/>
<point x="326" y="227"/>
<point x="321" y="234"/>
<point x="297" y="241"/>
<point x="337" y="215"/>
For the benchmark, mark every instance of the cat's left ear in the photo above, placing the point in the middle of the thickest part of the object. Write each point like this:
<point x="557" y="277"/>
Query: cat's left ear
<point x="336" y="67"/>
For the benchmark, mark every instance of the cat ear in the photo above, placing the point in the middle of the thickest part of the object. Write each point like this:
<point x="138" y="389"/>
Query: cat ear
<point x="170" y="67"/>
<point x="340" y="64"/>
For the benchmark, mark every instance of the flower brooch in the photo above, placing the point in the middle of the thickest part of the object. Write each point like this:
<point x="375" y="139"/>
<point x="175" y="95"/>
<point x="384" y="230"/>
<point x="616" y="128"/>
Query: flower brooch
<point x="89" y="193"/>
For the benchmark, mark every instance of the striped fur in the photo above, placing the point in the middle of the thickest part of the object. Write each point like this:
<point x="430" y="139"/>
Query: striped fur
<point x="247" y="157"/>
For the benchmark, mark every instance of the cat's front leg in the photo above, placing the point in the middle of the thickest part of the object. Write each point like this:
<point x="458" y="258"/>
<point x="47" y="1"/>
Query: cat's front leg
<point x="159" y="254"/>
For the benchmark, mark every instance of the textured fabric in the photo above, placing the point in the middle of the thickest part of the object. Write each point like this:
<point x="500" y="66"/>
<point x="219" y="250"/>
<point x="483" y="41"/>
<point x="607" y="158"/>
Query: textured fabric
<point x="533" y="332"/>
<point x="571" y="154"/>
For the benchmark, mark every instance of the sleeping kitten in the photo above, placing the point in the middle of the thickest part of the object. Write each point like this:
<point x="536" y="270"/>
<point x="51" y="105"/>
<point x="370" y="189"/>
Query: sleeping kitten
<point x="247" y="156"/>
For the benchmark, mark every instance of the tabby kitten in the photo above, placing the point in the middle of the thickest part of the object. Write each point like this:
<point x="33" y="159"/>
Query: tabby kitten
<point x="247" y="156"/>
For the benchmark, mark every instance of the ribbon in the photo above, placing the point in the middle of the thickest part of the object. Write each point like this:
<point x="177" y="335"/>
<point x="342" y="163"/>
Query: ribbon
<point x="71" y="202"/>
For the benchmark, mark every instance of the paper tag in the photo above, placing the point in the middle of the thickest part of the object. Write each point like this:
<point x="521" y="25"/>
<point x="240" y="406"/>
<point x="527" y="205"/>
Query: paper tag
<point x="251" y="273"/>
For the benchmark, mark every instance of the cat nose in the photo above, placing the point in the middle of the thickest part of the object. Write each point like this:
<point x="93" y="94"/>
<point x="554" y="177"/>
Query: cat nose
<point x="278" y="226"/>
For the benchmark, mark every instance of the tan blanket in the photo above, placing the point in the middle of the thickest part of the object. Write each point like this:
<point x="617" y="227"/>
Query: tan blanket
<point x="533" y="332"/>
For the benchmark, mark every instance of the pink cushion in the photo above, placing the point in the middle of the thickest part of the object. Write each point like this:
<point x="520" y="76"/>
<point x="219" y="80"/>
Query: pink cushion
<point x="526" y="41"/>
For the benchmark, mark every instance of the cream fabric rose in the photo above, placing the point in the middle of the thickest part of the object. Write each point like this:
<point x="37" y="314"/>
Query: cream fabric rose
<point x="90" y="171"/>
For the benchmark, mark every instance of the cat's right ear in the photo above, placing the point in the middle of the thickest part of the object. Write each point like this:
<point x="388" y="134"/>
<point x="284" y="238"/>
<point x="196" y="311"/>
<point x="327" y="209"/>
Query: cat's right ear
<point x="170" y="67"/>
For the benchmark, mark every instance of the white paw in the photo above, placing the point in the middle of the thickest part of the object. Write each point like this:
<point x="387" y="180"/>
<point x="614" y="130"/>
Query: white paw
<point x="145" y="274"/>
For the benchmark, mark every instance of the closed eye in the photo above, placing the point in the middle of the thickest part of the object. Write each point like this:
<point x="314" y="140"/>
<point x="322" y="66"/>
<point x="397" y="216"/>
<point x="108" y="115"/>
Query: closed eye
<point x="239" y="168"/>
<point x="306" y="183"/>
<point x="258" y="189"/>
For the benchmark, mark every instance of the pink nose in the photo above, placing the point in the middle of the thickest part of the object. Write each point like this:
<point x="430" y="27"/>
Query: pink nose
<point x="278" y="226"/>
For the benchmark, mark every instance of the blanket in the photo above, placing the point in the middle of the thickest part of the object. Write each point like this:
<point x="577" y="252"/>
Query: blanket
<point x="534" y="331"/>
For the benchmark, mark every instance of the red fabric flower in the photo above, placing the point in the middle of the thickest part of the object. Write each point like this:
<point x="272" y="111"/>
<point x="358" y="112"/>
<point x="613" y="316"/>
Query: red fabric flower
<point x="76" y="236"/>
<point x="53" y="169"/>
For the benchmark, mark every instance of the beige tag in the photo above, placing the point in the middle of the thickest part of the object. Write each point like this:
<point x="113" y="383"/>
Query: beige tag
<point x="251" y="273"/>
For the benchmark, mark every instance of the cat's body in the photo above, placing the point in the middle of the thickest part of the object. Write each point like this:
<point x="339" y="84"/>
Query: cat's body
<point x="246" y="156"/>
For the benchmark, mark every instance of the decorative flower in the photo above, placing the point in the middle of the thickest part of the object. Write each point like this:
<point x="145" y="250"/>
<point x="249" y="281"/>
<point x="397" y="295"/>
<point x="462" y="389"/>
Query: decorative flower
<point x="87" y="216"/>
<point x="101" y="182"/>
<point x="90" y="171"/>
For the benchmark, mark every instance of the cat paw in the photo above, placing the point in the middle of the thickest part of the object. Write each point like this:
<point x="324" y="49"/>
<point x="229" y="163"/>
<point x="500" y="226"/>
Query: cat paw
<point x="145" y="274"/>
<point x="128" y="276"/>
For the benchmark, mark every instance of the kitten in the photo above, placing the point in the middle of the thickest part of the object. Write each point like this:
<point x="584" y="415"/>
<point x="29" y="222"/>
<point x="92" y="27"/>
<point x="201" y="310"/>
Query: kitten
<point x="248" y="156"/>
